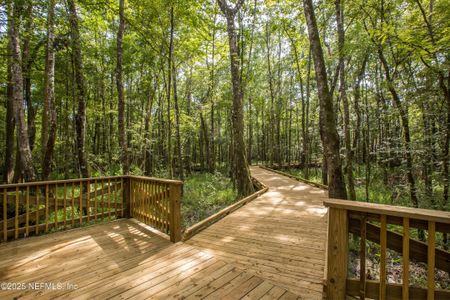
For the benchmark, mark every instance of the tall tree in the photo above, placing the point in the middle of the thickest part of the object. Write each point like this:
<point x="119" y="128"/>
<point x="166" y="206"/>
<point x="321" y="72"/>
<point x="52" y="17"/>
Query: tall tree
<point x="328" y="131"/>
<point x="49" y="113"/>
<point x="80" y="93"/>
<point x="241" y="172"/>
<point x="120" y="93"/>
<point x="343" y="95"/>
<point x="25" y="156"/>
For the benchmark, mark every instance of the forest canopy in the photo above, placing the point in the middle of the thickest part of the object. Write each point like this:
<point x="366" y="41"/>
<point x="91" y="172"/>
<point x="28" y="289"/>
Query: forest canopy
<point x="356" y="92"/>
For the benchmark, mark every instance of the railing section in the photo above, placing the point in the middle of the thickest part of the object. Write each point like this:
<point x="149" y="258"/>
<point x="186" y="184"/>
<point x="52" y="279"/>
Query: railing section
<point x="370" y="222"/>
<point x="40" y="207"/>
<point x="156" y="203"/>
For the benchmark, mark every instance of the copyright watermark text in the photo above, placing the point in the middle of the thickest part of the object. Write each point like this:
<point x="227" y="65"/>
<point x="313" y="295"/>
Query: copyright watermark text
<point x="37" y="286"/>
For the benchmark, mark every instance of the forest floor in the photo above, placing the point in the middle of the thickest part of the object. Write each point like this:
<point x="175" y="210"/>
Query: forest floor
<point x="204" y="195"/>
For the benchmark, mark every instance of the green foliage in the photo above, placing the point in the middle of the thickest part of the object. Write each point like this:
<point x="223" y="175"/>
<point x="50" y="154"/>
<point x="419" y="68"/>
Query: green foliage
<point x="204" y="195"/>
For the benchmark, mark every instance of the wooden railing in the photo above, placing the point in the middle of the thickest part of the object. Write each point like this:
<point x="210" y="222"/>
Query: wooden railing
<point x="40" y="207"/>
<point x="156" y="202"/>
<point x="370" y="222"/>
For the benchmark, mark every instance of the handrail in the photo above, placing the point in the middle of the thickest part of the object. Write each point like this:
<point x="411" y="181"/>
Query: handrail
<point x="369" y="221"/>
<point x="62" y="181"/>
<point x="33" y="208"/>
<point x="391" y="210"/>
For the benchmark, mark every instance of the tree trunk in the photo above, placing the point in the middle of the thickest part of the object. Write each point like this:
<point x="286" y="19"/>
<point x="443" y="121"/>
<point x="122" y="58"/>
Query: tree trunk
<point x="80" y="90"/>
<point x="10" y="122"/>
<point x="121" y="98"/>
<point x="26" y="70"/>
<point x="328" y="131"/>
<point x="241" y="172"/>
<point x="49" y="113"/>
<point x="24" y="151"/>
<point x="343" y="94"/>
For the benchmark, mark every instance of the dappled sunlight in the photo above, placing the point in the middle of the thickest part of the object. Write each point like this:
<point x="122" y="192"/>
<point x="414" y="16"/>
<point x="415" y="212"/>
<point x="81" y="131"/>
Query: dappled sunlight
<point x="228" y="239"/>
<point x="319" y="211"/>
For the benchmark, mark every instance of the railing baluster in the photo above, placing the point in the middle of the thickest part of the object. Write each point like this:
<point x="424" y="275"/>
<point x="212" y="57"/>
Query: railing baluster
<point x="65" y="205"/>
<point x="103" y="200"/>
<point x="383" y="242"/>
<point x="95" y="199"/>
<point x="27" y="212"/>
<point x="73" y="204"/>
<point x="5" y="214"/>
<point x="16" y="215"/>
<point x="37" y="211"/>
<point x="88" y="199"/>
<point x="121" y="197"/>
<point x="55" y="196"/>
<point x="115" y="199"/>
<point x="431" y="258"/>
<point x="362" y="257"/>
<point x="80" y="208"/>
<point x="109" y="199"/>
<point x="405" y="283"/>
<point x="46" y="207"/>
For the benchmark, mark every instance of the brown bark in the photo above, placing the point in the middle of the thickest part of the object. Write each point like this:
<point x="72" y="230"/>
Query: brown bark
<point x="241" y="172"/>
<point x="343" y="95"/>
<point x="121" y="98"/>
<point x="80" y="90"/>
<point x="49" y="113"/>
<point x="10" y="122"/>
<point x="24" y="151"/>
<point x="328" y="131"/>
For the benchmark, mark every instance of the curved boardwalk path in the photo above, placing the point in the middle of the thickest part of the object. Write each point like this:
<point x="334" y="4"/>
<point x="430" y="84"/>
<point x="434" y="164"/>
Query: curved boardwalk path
<point x="272" y="248"/>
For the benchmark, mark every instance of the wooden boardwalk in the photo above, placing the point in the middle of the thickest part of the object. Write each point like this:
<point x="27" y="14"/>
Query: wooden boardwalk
<point x="272" y="248"/>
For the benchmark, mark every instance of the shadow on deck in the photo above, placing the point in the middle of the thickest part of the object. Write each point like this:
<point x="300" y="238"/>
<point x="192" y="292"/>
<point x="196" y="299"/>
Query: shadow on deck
<point x="272" y="248"/>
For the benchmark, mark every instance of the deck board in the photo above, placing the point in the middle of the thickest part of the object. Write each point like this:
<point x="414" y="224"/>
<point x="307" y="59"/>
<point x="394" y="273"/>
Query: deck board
<point x="271" y="248"/>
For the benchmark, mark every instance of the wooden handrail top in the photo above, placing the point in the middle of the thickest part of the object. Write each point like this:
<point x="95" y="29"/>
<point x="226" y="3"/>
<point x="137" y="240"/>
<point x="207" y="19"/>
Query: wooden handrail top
<point x="390" y="210"/>
<point x="170" y="181"/>
<point x="78" y="180"/>
<point x="50" y="182"/>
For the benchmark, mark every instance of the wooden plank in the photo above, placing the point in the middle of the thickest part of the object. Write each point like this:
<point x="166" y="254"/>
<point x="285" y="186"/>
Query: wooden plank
<point x="393" y="290"/>
<point x="337" y="253"/>
<point x="390" y="210"/>
<point x="383" y="243"/>
<point x="243" y="289"/>
<point x="274" y="293"/>
<point x="431" y="259"/>
<point x="259" y="291"/>
<point x="405" y="264"/>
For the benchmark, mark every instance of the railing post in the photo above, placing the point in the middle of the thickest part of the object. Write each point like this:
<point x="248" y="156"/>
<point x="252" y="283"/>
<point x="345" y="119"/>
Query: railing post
<point x="175" y="214"/>
<point x="126" y="196"/>
<point x="337" y="253"/>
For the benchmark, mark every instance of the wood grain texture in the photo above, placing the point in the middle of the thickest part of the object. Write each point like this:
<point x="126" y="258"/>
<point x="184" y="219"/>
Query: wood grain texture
<point x="271" y="248"/>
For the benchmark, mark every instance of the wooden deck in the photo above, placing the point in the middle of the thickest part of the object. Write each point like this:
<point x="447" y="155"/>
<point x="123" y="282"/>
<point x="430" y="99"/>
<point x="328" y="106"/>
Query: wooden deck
<point x="272" y="248"/>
